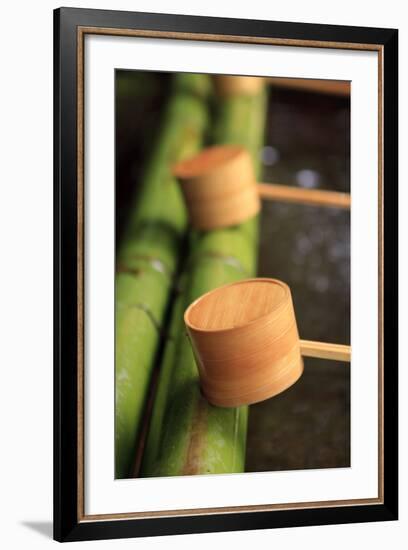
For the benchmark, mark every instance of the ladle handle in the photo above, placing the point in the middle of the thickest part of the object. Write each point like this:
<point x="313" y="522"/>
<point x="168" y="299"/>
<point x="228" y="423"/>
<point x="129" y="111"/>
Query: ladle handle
<point x="332" y="87"/>
<point x="316" y="197"/>
<point x="323" y="350"/>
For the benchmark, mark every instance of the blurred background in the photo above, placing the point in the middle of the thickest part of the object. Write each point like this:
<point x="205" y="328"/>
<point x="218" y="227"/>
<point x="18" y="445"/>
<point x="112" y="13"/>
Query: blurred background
<point x="307" y="144"/>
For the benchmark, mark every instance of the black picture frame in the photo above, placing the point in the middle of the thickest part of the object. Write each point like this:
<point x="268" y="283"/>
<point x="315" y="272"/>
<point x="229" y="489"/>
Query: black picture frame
<point x="67" y="525"/>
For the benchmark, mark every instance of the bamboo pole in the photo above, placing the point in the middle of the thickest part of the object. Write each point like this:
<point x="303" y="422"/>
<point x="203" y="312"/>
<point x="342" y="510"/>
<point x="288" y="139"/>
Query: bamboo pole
<point x="187" y="435"/>
<point x="147" y="260"/>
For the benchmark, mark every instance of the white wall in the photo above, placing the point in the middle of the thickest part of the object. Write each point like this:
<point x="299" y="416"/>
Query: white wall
<point x="26" y="269"/>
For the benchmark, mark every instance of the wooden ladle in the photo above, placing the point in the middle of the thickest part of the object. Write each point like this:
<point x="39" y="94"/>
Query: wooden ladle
<point x="246" y="342"/>
<point x="228" y="85"/>
<point x="220" y="188"/>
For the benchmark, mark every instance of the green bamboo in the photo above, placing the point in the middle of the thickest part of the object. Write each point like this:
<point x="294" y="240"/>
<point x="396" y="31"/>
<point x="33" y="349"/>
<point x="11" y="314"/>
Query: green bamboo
<point x="186" y="434"/>
<point x="148" y="257"/>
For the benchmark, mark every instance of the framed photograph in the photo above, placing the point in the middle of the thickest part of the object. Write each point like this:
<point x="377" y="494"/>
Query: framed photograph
<point x="225" y="274"/>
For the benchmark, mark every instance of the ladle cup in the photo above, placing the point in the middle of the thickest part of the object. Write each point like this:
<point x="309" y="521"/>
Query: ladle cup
<point x="245" y="341"/>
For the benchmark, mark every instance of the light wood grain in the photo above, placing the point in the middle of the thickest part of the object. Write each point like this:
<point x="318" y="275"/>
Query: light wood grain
<point x="314" y="197"/>
<point x="236" y="305"/>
